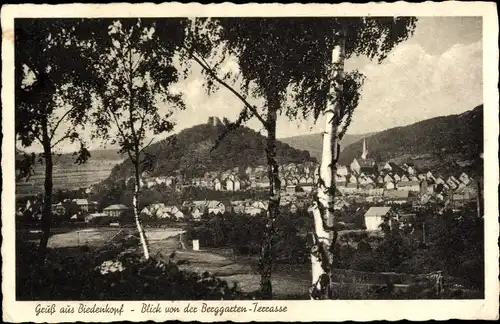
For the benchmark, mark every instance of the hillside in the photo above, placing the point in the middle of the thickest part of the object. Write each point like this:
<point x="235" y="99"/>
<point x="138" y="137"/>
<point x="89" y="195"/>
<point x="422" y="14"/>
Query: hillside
<point x="189" y="152"/>
<point x="441" y="142"/>
<point x="68" y="175"/>
<point x="313" y="142"/>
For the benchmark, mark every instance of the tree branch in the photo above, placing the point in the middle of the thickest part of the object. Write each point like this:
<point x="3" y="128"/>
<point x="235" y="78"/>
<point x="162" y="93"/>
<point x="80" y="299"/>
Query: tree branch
<point x="252" y="108"/>
<point x="130" y="108"/>
<point x="112" y="114"/>
<point x="146" y="146"/>
<point x="66" y="136"/>
<point x="59" y="122"/>
<point x="134" y="69"/>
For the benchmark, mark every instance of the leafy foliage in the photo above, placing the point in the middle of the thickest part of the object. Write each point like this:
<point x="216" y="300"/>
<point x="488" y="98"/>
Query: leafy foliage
<point x="51" y="81"/>
<point x="244" y="234"/>
<point x="136" y="70"/>
<point x="78" y="275"/>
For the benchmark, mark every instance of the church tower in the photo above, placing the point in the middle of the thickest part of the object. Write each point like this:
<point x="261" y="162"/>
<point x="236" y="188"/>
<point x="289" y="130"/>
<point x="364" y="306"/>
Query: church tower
<point x="365" y="151"/>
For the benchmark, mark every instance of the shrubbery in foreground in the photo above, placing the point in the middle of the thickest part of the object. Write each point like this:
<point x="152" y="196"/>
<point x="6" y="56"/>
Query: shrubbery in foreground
<point x="87" y="275"/>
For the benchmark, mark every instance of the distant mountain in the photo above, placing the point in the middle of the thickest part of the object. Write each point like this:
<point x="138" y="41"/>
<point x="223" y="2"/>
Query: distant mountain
<point x="189" y="152"/>
<point x="313" y="142"/>
<point x="437" y="143"/>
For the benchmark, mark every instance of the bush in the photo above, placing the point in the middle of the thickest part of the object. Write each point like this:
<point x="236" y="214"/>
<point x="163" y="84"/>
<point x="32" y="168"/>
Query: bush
<point x="92" y="276"/>
<point x="103" y="221"/>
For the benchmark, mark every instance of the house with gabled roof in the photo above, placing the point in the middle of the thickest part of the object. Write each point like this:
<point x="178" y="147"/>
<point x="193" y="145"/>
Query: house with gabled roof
<point x="386" y="167"/>
<point x="215" y="207"/>
<point x="352" y="179"/>
<point x="396" y="196"/>
<point x="229" y="184"/>
<point x="252" y="211"/>
<point x="58" y="209"/>
<point x="85" y="206"/>
<point x="374" y="217"/>
<point x="452" y="184"/>
<point x="388" y="178"/>
<point x="389" y="185"/>
<point x="217" y="185"/>
<point x="342" y="170"/>
<point x="115" y="210"/>
<point x="409" y="185"/>
<point x="464" y="178"/>
<point x="340" y="181"/>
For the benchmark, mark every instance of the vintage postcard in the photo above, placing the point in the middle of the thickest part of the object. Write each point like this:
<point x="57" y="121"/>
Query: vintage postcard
<point x="255" y="162"/>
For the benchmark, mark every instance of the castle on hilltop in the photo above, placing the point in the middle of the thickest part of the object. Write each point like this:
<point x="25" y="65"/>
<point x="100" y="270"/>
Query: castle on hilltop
<point x="214" y="121"/>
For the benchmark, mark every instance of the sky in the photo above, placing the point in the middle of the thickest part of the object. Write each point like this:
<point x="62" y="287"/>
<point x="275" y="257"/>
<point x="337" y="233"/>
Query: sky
<point x="436" y="72"/>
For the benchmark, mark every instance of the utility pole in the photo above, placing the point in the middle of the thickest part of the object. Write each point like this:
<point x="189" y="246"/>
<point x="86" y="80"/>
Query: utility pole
<point x="478" y="199"/>
<point x="423" y="230"/>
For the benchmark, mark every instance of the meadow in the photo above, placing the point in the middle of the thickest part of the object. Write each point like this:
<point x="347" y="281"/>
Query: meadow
<point x="66" y="177"/>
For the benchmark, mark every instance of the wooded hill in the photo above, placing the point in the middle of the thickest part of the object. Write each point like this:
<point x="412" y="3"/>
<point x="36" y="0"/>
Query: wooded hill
<point x="441" y="142"/>
<point x="190" y="152"/>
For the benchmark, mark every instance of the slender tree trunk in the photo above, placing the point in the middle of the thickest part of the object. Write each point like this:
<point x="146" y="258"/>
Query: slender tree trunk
<point x="47" y="198"/>
<point x="135" y="203"/>
<point x="267" y="249"/>
<point x="479" y="200"/>
<point x="322" y="258"/>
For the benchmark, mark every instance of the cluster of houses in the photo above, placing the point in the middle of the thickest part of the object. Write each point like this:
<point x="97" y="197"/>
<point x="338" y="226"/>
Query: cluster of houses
<point x="392" y="182"/>
<point x="362" y="180"/>
<point x="237" y="179"/>
<point x="197" y="208"/>
<point x="74" y="209"/>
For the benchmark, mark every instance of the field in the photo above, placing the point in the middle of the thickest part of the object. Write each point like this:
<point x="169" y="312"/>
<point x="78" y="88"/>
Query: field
<point x="71" y="238"/>
<point x="90" y="237"/>
<point x="67" y="177"/>
<point x="289" y="281"/>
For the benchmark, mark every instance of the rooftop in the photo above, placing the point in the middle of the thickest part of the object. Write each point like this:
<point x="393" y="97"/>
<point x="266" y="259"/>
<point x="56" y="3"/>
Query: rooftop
<point x="116" y="207"/>
<point x="377" y="211"/>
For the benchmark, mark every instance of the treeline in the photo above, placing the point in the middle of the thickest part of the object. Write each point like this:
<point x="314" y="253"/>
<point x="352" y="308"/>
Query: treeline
<point x="244" y="234"/>
<point x="452" y="242"/>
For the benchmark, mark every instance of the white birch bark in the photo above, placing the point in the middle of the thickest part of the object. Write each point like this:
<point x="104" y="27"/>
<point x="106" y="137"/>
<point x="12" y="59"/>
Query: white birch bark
<point x="142" y="236"/>
<point x="327" y="170"/>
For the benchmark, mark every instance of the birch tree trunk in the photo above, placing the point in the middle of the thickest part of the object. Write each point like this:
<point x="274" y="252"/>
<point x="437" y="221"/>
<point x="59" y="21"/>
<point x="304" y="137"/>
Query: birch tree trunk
<point x="267" y="249"/>
<point x="322" y="209"/>
<point x="135" y="203"/>
<point x="46" y="221"/>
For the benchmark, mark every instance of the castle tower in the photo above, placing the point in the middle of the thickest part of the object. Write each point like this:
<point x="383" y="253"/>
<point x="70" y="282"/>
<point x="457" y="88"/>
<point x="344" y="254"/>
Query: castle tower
<point x="365" y="151"/>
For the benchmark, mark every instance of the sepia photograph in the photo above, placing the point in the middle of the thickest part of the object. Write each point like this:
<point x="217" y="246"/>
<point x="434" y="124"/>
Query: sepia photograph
<point x="255" y="158"/>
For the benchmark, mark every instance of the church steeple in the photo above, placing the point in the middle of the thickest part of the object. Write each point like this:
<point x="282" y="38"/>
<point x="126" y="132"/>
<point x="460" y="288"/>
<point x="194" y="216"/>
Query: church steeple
<point x="365" y="151"/>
